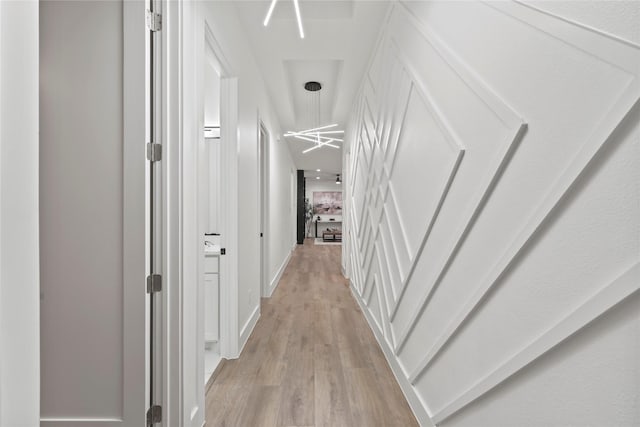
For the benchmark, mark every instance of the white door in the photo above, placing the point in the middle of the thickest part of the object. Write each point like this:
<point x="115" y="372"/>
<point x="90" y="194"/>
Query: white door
<point x="92" y="214"/>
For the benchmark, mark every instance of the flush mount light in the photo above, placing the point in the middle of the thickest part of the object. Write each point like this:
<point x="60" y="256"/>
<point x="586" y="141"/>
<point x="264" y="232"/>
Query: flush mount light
<point x="298" y="17"/>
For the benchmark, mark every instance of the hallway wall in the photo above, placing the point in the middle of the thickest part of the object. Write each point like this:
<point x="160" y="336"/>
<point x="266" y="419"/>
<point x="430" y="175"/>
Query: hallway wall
<point x="319" y="185"/>
<point x="282" y="214"/>
<point x="254" y="105"/>
<point x="492" y="181"/>
<point x="19" y="246"/>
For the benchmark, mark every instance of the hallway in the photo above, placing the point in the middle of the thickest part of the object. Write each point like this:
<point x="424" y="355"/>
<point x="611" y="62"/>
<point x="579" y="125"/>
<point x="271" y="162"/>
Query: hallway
<point x="311" y="360"/>
<point x="161" y="163"/>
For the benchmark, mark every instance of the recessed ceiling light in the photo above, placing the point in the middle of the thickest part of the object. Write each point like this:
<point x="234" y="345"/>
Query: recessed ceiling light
<point x="317" y="177"/>
<point x="317" y="170"/>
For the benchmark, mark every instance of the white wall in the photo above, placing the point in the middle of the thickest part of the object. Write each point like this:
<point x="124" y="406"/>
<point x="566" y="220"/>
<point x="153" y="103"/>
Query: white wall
<point x="493" y="217"/>
<point x="211" y="96"/>
<point x="19" y="264"/>
<point x="211" y="186"/>
<point x="282" y="213"/>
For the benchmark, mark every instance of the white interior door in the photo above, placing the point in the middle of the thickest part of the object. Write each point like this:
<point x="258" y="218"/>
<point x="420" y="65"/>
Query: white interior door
<point x="92" y="213"/>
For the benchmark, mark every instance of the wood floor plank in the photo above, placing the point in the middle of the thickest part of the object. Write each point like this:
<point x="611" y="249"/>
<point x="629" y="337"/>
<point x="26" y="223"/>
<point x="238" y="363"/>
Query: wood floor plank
<point x="311" y="360"/>
<point x="297" y="392"/>
<point x="225" y="404"/>
<point x="350" y="349"/>
<point x="262" y="407"/>
<point x="331" y="400"/>
<point x="368" y="405"/>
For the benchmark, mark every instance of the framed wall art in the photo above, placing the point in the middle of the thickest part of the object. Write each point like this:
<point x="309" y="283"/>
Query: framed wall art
<point x="327" y="202"/>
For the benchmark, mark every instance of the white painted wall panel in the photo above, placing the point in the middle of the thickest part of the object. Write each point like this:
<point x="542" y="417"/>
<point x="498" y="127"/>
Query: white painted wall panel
<point x="424" y="155"/>
<point x="19" y="228"/>
<point x="534" y="298"/>
<point x="81" y="208"/>
<point x="92" y="213"/>
<point x="585" y="382"/>
<point x="528" y="236"/>
<point x="374" y="304"/>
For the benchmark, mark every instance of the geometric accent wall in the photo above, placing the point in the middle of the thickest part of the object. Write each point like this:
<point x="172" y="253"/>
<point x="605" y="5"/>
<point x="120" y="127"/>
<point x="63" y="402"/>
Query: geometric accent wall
<point x="479" y="132"/>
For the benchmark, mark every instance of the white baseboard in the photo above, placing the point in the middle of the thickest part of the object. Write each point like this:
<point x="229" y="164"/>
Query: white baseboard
<point x="274" y="282"/>
<point x="408" y="390"/>
<point x="248" y="327"/>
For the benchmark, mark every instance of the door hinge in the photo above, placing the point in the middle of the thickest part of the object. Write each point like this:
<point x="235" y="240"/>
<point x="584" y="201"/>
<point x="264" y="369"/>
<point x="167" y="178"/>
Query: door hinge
<point x="154" y="21"/>
<point x="154" y="415"/>
<point x="154" y="283"/>
<point x="154" y="152"/>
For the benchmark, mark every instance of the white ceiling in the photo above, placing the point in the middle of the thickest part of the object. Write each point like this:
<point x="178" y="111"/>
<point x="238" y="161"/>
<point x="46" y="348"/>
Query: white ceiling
<point x="339" y="38"/>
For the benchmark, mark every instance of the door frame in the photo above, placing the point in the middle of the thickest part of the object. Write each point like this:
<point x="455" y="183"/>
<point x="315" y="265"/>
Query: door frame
<point x="186" y="38"/>
<point x="229" y="195"/>
<point x="19" y="215"/>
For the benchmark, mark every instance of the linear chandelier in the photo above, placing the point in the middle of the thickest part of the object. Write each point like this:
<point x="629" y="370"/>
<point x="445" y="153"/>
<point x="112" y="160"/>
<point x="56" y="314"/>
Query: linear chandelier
<point x="320" y="136"/>
<point x="298" y="18"/>
<point x="317" y="136"/>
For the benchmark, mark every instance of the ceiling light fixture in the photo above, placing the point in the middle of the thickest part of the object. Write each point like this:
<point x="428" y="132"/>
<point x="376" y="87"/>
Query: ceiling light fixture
<point x="298" y="17"/>
<point x="338" y="181"/>
<point x="314" y="129"/>
<point x="317" y="170"/>
<point x="268" y="17"/>
<point x="329" y="132"/>
<point x="318" y="135"/>
<point x="312" y="137"/>
<point x="318" y="146"/>
<point x="297" y="6"/>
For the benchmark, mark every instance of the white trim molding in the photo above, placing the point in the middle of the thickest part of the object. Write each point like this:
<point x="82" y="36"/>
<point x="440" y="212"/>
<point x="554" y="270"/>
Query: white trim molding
<point x="588" y="311"/>
<point x="248" y="327"/>
<point x="409" y="392"/>
<point x="276" y="279"/>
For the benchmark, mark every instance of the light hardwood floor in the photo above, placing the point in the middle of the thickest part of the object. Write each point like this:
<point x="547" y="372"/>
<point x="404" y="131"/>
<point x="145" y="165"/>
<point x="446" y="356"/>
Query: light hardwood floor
<point x="311" y="360"/>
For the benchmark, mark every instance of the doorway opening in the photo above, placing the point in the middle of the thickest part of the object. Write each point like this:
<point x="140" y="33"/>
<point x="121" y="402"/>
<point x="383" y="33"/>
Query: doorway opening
<point x="263" y="208"/>
<point x="209" y="208"/>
